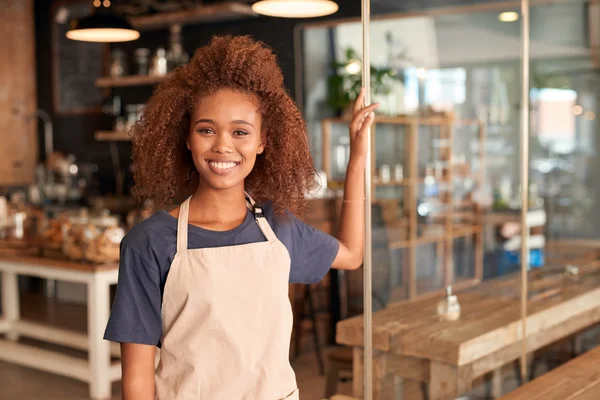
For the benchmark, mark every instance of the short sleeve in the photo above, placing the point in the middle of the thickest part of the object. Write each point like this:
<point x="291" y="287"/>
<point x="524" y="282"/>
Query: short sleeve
<point x="313" y="252"/>
<point x="135" y="316"/>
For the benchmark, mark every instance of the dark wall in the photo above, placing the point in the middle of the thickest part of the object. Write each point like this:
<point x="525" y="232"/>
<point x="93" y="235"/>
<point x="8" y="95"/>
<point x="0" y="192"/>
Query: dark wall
<point x="74" y="134"/>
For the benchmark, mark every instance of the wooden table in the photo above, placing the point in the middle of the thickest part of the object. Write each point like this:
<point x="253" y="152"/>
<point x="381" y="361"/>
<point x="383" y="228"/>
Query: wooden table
<point x="579" y="379"/>
<point x="411" y="342"/>
<point x="97" y="370"/>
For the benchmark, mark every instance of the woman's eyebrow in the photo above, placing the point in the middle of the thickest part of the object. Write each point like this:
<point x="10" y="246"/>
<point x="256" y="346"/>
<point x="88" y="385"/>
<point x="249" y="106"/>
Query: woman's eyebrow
<point x="235" y="121"/>
<point x="241" y="121"/>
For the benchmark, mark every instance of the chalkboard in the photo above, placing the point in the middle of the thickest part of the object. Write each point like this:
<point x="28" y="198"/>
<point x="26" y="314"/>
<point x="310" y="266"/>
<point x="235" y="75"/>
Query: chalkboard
<point x="76" y="65"/>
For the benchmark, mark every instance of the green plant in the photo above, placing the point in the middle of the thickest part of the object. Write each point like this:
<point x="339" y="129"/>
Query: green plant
<point x="343" y="86"/>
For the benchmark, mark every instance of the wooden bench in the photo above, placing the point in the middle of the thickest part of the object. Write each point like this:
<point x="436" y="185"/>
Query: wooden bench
<point x="579" y="379"/>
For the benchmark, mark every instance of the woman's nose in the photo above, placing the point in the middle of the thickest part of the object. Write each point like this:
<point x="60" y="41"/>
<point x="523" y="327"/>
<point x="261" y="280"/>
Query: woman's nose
<point x="222" y="144"/>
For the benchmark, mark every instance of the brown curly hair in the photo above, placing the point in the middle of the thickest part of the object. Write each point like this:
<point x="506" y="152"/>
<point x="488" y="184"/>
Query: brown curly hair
<point x="163" y="168"/>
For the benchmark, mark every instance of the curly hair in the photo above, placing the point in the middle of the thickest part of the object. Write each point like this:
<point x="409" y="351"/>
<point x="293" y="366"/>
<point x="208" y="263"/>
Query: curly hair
<point x="163" y="168"/>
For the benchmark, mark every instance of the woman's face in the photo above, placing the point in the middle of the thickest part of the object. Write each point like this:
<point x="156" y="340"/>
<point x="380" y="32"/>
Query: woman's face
<point x="225" y="138"/>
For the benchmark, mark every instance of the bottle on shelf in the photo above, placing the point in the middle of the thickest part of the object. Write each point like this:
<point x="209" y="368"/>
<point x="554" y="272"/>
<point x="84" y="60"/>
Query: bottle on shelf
<point x="118" y="64"/>
<point x="158" y="66"/>
<point x="142" y="56"/>
<point x="176" y="55"/>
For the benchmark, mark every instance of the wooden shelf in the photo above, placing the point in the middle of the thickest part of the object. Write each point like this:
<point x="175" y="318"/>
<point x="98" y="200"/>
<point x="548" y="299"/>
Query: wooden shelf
<point x="131" y="80"/>
<point x="456" y="221"/>
<point x="107" y="136"/>
<point x="457" y="232"/>
<point x="403" y="182"/>
<point x="208" y="13"/>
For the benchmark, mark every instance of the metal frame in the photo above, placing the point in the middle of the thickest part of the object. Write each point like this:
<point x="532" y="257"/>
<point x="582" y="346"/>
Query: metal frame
<point x="367" y="281"/>
<point x="524" y="179"/>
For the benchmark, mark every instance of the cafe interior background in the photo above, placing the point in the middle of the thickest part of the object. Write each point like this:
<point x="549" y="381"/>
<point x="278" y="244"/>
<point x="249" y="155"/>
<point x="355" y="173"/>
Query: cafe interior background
<point x="446" y="172"/>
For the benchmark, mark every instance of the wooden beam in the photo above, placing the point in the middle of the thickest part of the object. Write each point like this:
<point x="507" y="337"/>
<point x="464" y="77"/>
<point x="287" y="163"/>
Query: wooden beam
<point x="208" y="13"/>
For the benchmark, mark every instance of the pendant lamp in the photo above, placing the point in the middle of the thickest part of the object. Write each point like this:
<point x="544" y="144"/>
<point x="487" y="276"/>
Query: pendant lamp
<point x="102" y="26"/>
<point x="295" y="8"/>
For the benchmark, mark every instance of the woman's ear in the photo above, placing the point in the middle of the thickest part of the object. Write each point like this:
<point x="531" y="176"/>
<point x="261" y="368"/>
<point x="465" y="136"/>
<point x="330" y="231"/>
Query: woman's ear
<point x="187" y="144"/>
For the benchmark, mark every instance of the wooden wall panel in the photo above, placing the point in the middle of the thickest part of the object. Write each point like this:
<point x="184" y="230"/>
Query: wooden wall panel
<point x="18" y="98"/>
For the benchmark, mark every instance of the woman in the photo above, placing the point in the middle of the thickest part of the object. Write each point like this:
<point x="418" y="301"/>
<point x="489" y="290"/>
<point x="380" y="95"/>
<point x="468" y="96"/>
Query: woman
<point x="208" y="280"/>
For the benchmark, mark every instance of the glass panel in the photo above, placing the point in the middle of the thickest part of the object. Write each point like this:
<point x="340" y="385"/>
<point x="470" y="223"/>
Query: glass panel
<point x="450" y="87"/>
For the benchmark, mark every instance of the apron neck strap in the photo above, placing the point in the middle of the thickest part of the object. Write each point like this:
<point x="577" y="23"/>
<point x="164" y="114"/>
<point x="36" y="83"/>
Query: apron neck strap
<point x="259" y="216"/>
<point x="182" y="222"/>
<point x="249" y="201"/>
<point x="182" y="225"/>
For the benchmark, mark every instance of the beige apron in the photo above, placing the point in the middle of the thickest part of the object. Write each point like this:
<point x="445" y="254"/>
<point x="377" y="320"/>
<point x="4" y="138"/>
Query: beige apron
<point x="227" y="321"/>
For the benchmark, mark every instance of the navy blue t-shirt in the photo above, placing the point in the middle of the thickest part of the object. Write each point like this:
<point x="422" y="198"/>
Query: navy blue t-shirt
<point x="149" y="248"/>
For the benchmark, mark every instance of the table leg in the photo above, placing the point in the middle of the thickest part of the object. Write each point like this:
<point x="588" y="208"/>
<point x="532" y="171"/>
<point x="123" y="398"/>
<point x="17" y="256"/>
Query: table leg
<point x="10" y="302"/>
<point x="385" y="386"/>
<point x="99" y="349"/>
<point x="448" y="382"/>
<point x="497" y="383"/>
<point x="413" y="390"/>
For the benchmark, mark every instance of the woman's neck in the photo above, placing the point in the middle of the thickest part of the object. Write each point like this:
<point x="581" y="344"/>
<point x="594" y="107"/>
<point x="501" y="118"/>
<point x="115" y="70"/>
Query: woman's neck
<point x="218" y="209"/>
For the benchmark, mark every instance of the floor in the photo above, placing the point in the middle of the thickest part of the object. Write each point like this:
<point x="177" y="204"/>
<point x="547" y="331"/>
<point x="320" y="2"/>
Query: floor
<point x="19" y="383"/>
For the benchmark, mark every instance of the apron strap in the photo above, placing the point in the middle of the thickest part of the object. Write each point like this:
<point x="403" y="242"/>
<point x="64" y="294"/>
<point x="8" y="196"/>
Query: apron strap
<point x="182" y="226"/>
<point x="249" y="201"/>
<point x="182" y="222"/>
<point x="262" y="222"/>
<point x="266" y="229"/>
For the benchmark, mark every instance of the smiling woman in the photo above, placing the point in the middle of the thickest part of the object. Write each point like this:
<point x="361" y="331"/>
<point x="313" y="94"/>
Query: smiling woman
<point x="226" y="137"/>
<point x="166" y="171"/>
<point x="223" y="135"/>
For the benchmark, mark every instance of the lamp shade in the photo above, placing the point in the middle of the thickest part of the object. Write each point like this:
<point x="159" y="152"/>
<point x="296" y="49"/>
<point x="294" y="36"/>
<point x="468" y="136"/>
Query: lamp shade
<point x="102" y="27"/>
<point x="295" y="8"/>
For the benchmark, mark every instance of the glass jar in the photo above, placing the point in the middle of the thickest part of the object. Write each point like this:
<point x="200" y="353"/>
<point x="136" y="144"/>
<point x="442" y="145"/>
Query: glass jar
<point x="142" y="56"/>
<point x="118" y="64"/>
<point x="95" y="239"/>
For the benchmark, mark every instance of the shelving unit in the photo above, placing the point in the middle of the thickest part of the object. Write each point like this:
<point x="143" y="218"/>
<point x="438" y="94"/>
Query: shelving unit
<point x="105" y="136"/>
<point x="459" y="219"/>
<point x="131" y="80"/>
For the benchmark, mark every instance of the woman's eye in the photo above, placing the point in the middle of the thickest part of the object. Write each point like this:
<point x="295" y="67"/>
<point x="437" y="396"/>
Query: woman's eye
<point x="240" y="133"/>
<point x="205" y="131"/>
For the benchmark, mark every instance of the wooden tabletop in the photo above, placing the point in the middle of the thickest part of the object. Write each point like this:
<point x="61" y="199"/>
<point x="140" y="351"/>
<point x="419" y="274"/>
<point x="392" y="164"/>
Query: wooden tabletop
<point x="490" y="317"/>
<point x="579" y="379"/>
<point x="44" y="262"/>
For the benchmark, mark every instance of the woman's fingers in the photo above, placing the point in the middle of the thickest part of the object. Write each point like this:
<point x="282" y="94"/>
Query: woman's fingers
<point x="359" y="100"/>
<point x="366" y="123"/>
<point x="360" y="116"/>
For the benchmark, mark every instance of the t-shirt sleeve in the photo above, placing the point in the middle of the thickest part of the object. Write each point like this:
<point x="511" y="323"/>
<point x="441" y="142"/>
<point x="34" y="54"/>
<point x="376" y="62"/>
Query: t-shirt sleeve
<point x="313" y="253"/>
<point x="135" y="316"/>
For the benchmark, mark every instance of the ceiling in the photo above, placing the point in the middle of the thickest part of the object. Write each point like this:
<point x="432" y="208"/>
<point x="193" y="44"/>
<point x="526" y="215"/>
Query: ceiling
<point x="395" y="6"/>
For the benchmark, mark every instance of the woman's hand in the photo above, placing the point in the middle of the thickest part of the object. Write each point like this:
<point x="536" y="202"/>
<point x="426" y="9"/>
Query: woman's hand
<point x="361" y="121"/>
<point x="352" y="221"/>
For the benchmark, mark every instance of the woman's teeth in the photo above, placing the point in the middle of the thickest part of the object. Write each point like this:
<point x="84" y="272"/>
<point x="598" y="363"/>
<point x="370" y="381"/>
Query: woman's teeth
<point x="222" y="165"/>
